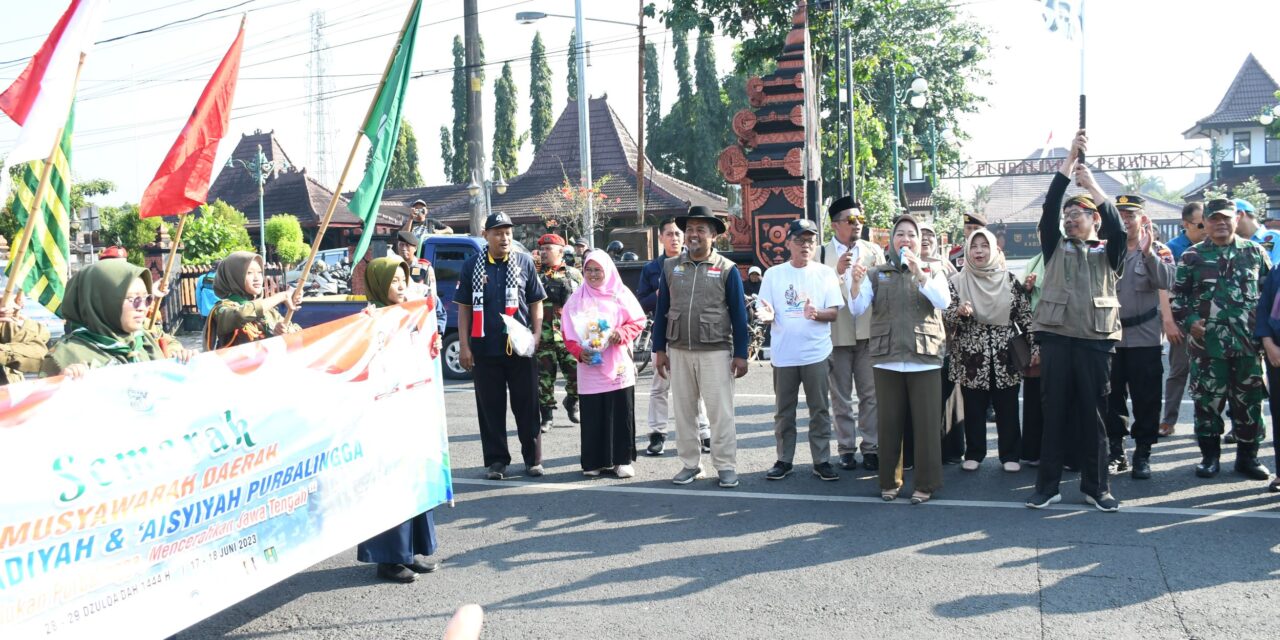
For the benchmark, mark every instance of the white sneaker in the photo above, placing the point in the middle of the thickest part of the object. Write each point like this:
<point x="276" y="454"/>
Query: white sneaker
<point x="969" y="465"/>
<point x="1012" y="467"/>
<point x="592" y="473"/>
<point x="625" y="471"/>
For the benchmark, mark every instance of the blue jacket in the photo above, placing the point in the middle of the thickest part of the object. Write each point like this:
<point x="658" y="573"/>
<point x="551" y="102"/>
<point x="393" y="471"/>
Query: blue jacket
<point x="1177" y="245"/>
<point x="1264" y="325"/>
<point x="650" y="282"/>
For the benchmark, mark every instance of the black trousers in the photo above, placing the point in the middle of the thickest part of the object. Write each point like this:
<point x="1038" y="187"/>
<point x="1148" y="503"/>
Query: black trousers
<point x="952" y="441"/>
<point x="1273" y="386"/>
<point x="608" y="434"/>
<point x="494" y="376"/>
<point x="1136" y="372"/>
<point x="1074" y="375"/>
<point x="1032" y="419"/>
<point x="1008" y="433"/>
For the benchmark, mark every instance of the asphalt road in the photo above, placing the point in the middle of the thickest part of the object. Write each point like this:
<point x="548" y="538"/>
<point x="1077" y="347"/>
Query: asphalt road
<point x="571" y="557"/>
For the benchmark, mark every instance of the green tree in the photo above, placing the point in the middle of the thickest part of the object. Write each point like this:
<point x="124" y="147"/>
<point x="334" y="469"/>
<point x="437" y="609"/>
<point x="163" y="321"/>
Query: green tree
<point x="284" y="235"/>
<point x="949" y="218"/>
<point x="217" y="231"/>
<point x="652" y="94"/>
<point x="981" y="197"/>
<point x="540" y="116"/>
<point x="80" y="194"/>
<point x="877" y="197"/>
<point x="506" y="144"/>
<point x="710" y="133"/>
<point x="403" y="173"/>
<point x="122" y="227"/>
<point x="446" y="152"/>
<point x="456" y="166"/>
<point x="573" y="66"/>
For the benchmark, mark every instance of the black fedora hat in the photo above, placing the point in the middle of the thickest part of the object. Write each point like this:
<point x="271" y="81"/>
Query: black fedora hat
<point x="699" y="212"/>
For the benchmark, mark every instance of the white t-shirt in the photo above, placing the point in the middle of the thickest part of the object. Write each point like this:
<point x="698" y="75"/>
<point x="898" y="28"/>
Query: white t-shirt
<point x="798" y="341"/>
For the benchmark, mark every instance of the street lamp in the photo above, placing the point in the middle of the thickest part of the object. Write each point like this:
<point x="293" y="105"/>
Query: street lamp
<point x="584" y="129"/>
<point x="917" y="91"/>
<point x="476" y="186"/>
<point x="918" y="101"/>
<point x="259" y="167"/>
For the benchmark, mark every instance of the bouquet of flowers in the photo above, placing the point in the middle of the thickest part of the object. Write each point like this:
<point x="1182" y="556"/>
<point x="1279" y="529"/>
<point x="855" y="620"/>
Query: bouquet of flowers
<point x="595" y="332"/>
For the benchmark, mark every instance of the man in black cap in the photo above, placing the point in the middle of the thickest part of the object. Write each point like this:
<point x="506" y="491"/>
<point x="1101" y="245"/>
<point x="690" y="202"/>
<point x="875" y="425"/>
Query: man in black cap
<point x="494" y="283"/>
<point x="1137" y="368"/>
<point x="799" y="299"/>
<point x="850" y="355"/>
<point x="700" y="340"/>
<point x="972" y="222"/>
<point x="421" y="274"/>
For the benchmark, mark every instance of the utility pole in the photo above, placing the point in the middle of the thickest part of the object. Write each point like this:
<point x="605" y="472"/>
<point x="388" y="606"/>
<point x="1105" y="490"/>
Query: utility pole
<point x="475" y="133"/>
<point x="584" y="128"/>
<point x="853" y="136"/>
<point x="640" y="126"/>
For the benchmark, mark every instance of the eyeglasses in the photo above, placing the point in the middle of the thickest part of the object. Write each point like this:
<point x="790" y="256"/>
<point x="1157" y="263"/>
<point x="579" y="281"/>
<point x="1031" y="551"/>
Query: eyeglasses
<point x="140" y="302"/>
<point x="805" y="241"/>
<point x="1075" y="213"/>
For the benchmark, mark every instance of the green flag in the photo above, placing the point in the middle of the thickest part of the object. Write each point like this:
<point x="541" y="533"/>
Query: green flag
<point x="383" y="129"/>
<point x="43" y="272"/>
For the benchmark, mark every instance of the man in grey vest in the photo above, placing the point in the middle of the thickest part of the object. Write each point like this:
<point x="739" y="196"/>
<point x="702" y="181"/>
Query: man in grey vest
<point x="1077" y="325"/>
<point x="700" y="340"/>
<point x="850" y="358"/>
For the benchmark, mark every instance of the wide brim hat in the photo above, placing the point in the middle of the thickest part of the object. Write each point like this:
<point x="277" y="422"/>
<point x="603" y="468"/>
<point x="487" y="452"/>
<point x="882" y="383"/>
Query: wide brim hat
<point x="700" y="212"/>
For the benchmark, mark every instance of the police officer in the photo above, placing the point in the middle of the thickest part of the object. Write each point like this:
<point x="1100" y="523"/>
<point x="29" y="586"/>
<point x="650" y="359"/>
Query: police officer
<point x="972" y="222"/>
<point x="1137" y="367"/>
<point x="559" y="280"/>
<point x="1077" y="325"/>
<point x="1215" y="298"/>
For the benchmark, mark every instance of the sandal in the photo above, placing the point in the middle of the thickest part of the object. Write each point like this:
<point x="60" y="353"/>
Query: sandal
<point x="889" y="496"/>
<point x="920" y="497"/>
<point x="1274" y="487"/>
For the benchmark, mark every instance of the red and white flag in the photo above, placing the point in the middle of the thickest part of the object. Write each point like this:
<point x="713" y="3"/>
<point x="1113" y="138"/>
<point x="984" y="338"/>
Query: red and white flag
<point x="182" y="181"/>
<point x="40" y="98"/>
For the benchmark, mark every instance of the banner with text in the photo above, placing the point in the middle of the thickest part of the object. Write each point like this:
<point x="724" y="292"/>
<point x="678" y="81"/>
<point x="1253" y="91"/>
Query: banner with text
<point x="144" y="498"/>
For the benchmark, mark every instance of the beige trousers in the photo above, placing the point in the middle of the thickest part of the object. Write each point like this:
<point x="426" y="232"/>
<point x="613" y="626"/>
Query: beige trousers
<point x="703" y="375"/>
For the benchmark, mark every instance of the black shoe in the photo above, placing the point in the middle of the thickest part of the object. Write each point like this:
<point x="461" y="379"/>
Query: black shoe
<point x="1247" y="462"/>
<point x="848" y="461"/>
<point x="1070" y="466"/>
<point x="396" y="573"/>
<point x="779" y="471"/>
<point x="1210" y="451"/>
<point x="1141" y="463"/>
<point x="871" y="461"/>
<point x="1230" y="438"/>
<point x="422" y="564"/>
<point x="1040" y="500"/>
<point x="1105" y="502"/>
<point x="952" y="460"/>
<point x="496" y="471"/>
<point x="908" y="465"/>
<point x="571" y="408"/>
<point x="825" y="472"/>
<point x="657" y="444"/>
<point x="706" y="445"/>
<point x="546" y="417"/>
<point x="1117" y="460"/>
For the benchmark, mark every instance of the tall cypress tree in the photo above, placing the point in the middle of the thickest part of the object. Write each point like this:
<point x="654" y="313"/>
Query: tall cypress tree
<point x="652" y="94"/>
<point x="446" y="152"/>
<point x="505" y="144"/>
<point x="573" y="66"/>
<point x="456" y="169"/>
<point x="680" y="40"/>
<point x="709" y="131"/>
<point x="539" y="93"/>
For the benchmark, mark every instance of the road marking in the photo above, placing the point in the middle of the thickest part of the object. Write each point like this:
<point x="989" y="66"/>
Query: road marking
<point x="762" y="396"/>
<point x="538" y="487"/>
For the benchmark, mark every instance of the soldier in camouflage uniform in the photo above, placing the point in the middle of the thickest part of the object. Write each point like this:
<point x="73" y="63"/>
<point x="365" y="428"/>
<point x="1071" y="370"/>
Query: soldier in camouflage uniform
<point x="560" y="280"/>
<point x="1215" y="298"/>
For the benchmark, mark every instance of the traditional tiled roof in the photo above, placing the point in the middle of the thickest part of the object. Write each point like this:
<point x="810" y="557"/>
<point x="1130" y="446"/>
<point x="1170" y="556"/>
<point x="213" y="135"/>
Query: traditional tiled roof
<point x="613" y="153"/>
<point x="1252" y="90"/>
<point x="1020" y="198"/>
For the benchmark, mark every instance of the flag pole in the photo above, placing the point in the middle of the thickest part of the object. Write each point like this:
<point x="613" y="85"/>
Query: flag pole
<point x="1082" y="94"/>
<point x="175" y="241"/>
<point x="20" y="250"/>
<point x="342" y="178"/>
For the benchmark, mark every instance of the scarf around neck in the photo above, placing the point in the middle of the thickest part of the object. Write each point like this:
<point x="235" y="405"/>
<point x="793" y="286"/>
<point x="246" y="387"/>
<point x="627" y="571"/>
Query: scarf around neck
<point x="228" y="283"/>
<point x="988" y="288"/>
<point x="511" y="287"/>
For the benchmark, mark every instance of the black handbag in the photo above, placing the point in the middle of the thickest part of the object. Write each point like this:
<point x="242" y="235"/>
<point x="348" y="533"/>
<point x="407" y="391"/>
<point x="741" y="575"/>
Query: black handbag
<point x="1020" y="350"/>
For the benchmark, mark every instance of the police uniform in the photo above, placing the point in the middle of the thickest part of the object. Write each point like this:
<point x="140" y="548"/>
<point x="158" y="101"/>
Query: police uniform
<point x="1137" y="367"/>
<point x="559" y="282"/>
<point x="1077" y="325"/>
<point x="1220" y="285"/>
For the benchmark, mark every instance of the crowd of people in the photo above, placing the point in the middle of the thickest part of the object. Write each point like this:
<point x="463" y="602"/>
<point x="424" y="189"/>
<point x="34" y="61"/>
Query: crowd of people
<point x="1067" y="356"/>
<point x="929" y="345"/>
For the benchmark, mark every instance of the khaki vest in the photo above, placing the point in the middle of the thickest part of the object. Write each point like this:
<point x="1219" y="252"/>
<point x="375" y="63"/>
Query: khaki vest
<point x="905" y="327"/>
<point x="698" y="314"/>
<point x="1079" y="295"/>
<point x="847" y="330"/>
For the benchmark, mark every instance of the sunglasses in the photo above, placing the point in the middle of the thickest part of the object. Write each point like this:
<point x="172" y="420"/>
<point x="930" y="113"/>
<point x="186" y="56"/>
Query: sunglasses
<point x="140" y="302"/>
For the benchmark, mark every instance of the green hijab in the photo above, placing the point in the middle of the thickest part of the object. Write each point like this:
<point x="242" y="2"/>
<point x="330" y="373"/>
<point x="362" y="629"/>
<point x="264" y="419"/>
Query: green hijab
<point x="94" y="299"/>
<point x="378" y="276"/>
<point x="228" y="283"/>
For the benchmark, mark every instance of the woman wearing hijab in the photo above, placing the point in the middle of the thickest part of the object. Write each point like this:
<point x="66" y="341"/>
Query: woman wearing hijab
<point x="606" y="371"/>
<point x="400" y="550"/>
<point x="989" y="307"/>
<point x="242" y="315"/>
<point x="906" y="297"/>
<point x="105" y="306"/>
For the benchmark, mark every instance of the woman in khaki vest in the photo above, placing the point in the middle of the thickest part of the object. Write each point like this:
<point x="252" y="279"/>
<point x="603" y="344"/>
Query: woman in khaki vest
<point x="906" y="297"/>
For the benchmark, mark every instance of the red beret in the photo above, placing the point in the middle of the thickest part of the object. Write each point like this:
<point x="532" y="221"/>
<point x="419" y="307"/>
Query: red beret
<point x="551" y="238"/>
<point x="113" y="252"/>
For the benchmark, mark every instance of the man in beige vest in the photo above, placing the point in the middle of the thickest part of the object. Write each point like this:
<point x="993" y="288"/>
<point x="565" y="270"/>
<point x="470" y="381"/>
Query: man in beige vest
<point x="1077" y="326"/>
<point x="850" y="358"/>
<point x="700" y="340"/>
